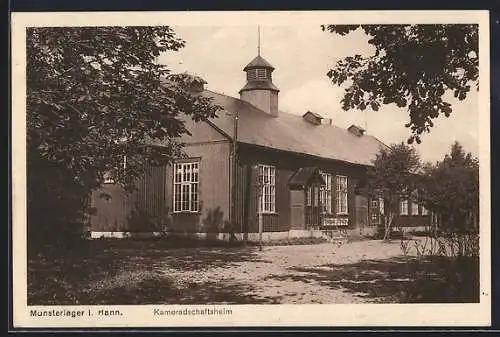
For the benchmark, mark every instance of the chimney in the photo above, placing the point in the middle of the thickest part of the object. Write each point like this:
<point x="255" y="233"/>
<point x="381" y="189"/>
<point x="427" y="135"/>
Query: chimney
<point x="259" y="89"/>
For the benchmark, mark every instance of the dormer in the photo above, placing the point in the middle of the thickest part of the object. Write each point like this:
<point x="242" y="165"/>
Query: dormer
<point x="313" y="118"/>
<point x="356" y="130"/>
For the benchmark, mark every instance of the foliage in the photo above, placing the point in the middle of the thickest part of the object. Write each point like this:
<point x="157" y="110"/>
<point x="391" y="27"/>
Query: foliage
<point x="96" y="95"/>
<point x="451" y="189"/>
<point x="57" y="207"/>
<point x="393" y="177"/>
<point x="436" y="244"/>
<point x="413" y="67"/>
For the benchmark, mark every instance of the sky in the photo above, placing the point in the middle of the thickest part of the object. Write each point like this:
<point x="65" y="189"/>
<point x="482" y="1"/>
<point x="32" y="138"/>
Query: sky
<point x="302" y="55"/>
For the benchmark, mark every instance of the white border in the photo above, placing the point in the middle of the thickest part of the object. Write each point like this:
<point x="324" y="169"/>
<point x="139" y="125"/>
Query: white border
<point x="249" y="315"/>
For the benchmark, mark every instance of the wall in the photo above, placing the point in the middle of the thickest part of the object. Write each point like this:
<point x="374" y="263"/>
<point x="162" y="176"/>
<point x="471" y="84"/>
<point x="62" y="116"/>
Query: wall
<point x="118" y="210"/>
<point x="265" y="100"/>
<point x="412" y="220"/>
<point x="213" y="188"/>
<point x="286" y="164"/>
<point x="149" y="208"/>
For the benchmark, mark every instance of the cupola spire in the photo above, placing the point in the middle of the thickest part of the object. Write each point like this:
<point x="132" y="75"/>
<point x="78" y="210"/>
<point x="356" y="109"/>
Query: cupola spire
<point x="259" y="89"/>
<point x="258" y="40"/>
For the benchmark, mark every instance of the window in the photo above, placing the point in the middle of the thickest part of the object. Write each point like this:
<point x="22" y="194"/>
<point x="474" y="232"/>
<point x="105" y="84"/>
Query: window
<point x="325" y="196"/>
<point x="414" y="208"/>
<point x="414" y="204"/>
<point x="315" y="190"/>
<point x="425" y="211"/>
<point x="257" y="74"/>
<point x="110" y="176"/>
<point x="309" y="196"/>
<point x="381" y="205"/>
<point x="267" y="179"/>
<point x="186" y="187"/>
<point x="376" y="210"/>
<point x="403" y="207"/>
<point x="261" y="74"/>
<point x="341" y="194"/>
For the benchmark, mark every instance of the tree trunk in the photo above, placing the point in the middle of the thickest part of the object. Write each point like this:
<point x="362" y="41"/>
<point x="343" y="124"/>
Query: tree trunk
<point x="388" y="225"/>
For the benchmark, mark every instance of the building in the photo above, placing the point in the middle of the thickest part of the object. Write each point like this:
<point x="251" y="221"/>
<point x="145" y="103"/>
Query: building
<point x="253" y="167"/>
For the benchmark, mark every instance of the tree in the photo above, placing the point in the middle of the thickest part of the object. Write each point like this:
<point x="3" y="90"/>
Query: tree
<point x="393" y="177"/>
<point x="95" y="95"/>
<point x="452" y="191"/>
<point x="413" y="67"/>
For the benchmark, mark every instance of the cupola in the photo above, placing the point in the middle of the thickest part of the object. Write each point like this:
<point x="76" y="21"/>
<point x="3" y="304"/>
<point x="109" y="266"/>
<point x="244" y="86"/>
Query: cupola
<point x="259" y="89"/>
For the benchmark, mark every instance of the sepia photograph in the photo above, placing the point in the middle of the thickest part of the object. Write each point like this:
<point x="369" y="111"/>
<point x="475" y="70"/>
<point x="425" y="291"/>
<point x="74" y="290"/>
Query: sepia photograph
<point x="264" y="161"/>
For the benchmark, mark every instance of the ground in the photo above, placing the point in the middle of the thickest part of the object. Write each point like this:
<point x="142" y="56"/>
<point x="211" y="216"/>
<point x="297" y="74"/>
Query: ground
<point x="152" y="272"/>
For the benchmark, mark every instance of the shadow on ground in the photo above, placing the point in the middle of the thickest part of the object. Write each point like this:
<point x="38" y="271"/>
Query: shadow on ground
<point x="136" y="273"/>
<point x="399" y="280"/>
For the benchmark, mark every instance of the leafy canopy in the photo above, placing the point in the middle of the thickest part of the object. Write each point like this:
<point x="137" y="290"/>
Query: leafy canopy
<point x="96" y="94"/>
<point x="393" y="175"/>
<point x="413" y="67"/>
<point x="452" y="189"/>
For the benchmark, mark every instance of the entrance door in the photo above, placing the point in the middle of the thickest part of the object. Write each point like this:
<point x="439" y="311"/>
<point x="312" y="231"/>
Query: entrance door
<point x="297" y="214"/>
<point x="313" y="209"/>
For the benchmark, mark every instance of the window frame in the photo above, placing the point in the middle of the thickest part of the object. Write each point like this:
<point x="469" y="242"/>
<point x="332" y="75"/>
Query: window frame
<point x="326" y="192"/>
<point x="189" y="181"/>
<point x="423" y="210"/>
<point x="401" y="208"/>
<point x="267" y="189"/>
<point x="110" y="176"/>
<point x="342" y="193"/>
<point x="258" y="74"/>
<point x="414" y="209"/>
<point x="381" y="205"/>
<point x="375" y="219"/>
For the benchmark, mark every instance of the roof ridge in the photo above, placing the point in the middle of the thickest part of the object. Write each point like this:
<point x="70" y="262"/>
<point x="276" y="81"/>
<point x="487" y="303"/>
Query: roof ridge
<point x="237" y="99"/>
<point x="281" y="112"/>
<point x="290" y="121"/>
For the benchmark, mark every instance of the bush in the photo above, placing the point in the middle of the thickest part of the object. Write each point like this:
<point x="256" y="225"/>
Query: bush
<point x="57" y="206"/>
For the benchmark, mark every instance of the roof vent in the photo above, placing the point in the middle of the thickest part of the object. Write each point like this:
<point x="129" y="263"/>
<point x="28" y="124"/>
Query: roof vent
<point x="356" y="130"/>
<point x="313" y="117"/>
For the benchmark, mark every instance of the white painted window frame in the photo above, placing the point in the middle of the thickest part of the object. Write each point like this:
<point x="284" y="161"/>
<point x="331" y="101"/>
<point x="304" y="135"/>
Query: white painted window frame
<point x="342" y="194"/>
<point x="325" y="193"/>
<point x="186" y="177"/>
<point x="267" y="182"/>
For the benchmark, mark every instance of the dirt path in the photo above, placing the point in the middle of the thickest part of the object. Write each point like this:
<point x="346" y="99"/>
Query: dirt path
<point x="297" y="274"/>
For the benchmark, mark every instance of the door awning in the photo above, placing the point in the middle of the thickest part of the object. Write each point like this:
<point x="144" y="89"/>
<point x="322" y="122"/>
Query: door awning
<point x="304" y="177"/>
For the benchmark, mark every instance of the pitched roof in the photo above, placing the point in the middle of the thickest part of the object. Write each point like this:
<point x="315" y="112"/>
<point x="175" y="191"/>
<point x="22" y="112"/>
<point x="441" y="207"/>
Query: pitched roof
<point x="258" y="62"/>
<point x="289" y="132"/>
<point x="252" y="85"/>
